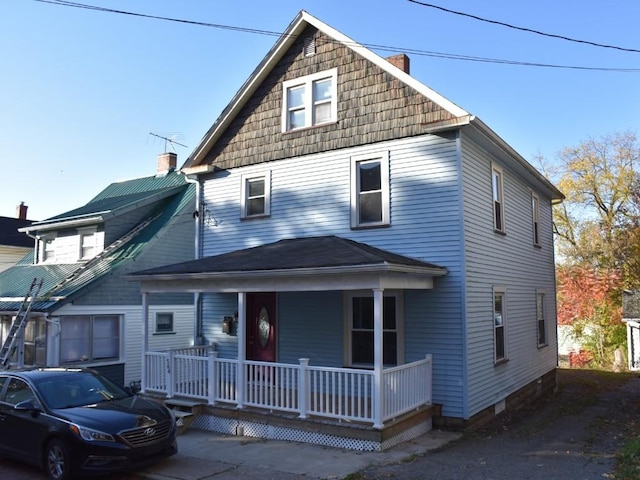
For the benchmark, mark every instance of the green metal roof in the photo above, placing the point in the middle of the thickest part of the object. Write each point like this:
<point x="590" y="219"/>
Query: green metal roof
<point x="64" y="282"/>
<point x="121" y="196"/>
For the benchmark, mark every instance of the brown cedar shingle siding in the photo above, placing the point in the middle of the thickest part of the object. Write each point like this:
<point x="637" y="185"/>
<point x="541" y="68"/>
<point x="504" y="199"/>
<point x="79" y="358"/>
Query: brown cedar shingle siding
<point x="373" y="106"/>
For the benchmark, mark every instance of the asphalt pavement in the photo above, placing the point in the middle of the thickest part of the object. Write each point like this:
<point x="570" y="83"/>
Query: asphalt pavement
<point x="573" y="435"/>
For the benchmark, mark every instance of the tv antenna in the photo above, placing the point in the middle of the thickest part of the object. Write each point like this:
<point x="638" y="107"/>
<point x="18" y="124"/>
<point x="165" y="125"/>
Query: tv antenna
<point x="169" y="140"/>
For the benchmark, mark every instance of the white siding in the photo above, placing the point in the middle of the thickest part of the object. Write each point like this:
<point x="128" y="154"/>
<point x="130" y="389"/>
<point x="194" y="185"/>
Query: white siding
<point x="131" y="330"/>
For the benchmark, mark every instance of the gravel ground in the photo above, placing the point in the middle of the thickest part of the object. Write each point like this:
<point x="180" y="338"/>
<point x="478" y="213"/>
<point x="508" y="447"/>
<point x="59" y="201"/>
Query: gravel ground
<point x="575" y="434"/>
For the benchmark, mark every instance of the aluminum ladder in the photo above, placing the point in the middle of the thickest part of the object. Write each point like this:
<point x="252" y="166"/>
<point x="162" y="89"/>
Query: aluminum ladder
<point x="19" y="322"/>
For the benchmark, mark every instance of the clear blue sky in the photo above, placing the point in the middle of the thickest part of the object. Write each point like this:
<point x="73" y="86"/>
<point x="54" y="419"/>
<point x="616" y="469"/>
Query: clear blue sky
<point x="81" y="90"/>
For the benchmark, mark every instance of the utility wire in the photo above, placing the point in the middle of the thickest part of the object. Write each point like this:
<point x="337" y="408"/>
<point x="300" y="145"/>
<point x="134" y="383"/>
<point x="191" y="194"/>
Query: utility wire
<point x="524" y="29"/>
<point x="426" y="53"/>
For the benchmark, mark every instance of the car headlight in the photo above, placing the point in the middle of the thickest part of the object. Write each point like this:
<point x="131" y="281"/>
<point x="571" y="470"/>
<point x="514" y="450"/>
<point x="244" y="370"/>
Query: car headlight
<point x="90" y="435"/>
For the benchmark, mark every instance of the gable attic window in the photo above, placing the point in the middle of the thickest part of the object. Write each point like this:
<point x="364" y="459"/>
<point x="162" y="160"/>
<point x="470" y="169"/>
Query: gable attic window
<point x="309" y="101"/>
<point x="255" y="197"/>
<point x="370" y="190"/>
<point x="309" y="46"/>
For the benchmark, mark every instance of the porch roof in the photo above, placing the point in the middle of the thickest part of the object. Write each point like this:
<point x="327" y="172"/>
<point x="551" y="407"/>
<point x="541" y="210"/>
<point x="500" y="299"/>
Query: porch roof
<point x="299" y="264"/>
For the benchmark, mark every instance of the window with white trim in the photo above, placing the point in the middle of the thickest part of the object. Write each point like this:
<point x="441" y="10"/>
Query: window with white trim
<point x="498" y="198"/>
<point x="48" y="250"/>
<point x="499" y="324"/>
<point x="89" y="338"/>
<point x="88" y="243"/>
<point x="309" y="101"/>
<point x="164" y="322"/>
<point x="255" y="196"/>
<point x="541" y="321"/>
<point x="360" y="329"/>
<point x="535" y="210"/>
<point x="370" y="190"/>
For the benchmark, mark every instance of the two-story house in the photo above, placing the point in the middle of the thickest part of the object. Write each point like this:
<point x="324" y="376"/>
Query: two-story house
<point x="371" y="256"/>
<point x="13" y="244"/>
<point x="86" y="312"/>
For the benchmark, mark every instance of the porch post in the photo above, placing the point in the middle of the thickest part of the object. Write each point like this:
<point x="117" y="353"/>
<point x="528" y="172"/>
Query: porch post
<point x="303" y="387"/>
<point x="242" y="348"/>
<point x="213" y="377"/>
<point x="378" y="400"/>
<point x="145" y="340"/>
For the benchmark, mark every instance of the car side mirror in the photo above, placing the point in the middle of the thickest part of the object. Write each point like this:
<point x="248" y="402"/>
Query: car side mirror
<point x="27" y="405"/>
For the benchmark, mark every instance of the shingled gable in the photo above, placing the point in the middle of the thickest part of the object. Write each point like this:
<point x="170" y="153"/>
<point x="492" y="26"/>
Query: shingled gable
<point x="250" y="124"/>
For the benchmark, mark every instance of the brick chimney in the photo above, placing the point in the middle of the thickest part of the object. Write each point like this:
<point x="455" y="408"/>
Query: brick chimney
<point x="166" y="163"/>
<point x="21" y="211"/>
<point x="401" y="61"/>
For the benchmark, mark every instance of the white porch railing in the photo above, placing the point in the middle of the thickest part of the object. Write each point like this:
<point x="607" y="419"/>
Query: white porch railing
<point x="343" y="393"/>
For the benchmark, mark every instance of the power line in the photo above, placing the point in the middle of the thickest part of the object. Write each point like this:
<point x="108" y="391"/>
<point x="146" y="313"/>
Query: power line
<point x="426" y="53"/>
<point x="524" y="29"/>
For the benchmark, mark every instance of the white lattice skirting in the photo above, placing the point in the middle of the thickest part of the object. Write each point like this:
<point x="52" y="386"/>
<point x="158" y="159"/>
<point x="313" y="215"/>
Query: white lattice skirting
<point x="229" y="426"/>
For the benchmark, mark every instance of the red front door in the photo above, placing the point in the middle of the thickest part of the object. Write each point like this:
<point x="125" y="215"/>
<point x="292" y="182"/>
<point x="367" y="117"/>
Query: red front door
<point x="261" y="327"/>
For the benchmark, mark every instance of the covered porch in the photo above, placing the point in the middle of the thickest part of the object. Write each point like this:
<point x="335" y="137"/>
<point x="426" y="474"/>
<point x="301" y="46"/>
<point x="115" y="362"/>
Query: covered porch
<point x="372" y="397"/>
<point x="347" y="394"/>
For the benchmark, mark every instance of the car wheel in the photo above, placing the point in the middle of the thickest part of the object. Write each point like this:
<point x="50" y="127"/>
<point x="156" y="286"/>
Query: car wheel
<point x="57" y="460"/>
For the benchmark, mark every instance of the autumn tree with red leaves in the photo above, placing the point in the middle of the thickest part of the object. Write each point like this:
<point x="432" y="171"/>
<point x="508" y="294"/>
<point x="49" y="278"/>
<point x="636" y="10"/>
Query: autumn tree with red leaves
<point x="597" y="232"/>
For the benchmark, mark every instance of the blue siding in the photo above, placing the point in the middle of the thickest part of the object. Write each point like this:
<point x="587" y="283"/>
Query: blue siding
<point x="441" y="212"/>
<point x="511" y="261"/>
<point x="311" y="196"/>
<point x="311" y="326"/>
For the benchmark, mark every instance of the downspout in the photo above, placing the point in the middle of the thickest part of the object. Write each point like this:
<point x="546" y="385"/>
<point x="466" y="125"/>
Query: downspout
<point x="36" y="253"/>
<point x="198" y="216"/>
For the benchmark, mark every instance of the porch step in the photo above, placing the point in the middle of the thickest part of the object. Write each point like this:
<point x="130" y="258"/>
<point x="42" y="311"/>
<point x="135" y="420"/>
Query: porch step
<point x="184" y="411"/>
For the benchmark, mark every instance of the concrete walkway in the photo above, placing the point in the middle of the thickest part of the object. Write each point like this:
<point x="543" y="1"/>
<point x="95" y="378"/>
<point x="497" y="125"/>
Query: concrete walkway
<point x="206" y="456"/>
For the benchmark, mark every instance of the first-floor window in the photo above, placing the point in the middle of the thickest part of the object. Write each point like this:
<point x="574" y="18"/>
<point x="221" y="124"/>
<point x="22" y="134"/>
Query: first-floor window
<point x="35" y="342"/>
<point x="499" y="324"/>
<point x="361" y="330"/>
<point x="540" y="319"/>
<point x="164" y="322"/>
<point x="89" y="338"/>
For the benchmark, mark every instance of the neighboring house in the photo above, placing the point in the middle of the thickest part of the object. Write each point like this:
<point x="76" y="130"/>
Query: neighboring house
<point x="87" y="313"/>
<point x="369" y="253"/>
<point x="13" y="244"/>
<point x="631" y="316"/>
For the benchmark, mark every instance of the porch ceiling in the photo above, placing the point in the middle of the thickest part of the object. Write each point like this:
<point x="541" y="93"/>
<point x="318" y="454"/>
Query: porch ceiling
<point x="302" y="264"/>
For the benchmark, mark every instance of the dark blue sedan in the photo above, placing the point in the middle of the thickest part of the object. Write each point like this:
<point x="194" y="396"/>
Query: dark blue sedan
<point x="76" y="423"/>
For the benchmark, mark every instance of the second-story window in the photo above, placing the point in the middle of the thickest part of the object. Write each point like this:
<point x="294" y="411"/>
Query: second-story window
<point x="87" y="245"/>
<point x="255" y="197"/>
<point x="498" y="199"/>
<point x="370" y="191"/>
<point x="309" y="101"/>
<point x="535" y="207"/>
<point x="48" y="250"/>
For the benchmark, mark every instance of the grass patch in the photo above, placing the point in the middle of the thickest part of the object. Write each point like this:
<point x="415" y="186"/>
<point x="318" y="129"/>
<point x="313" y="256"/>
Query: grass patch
<point x="628" y="466"/>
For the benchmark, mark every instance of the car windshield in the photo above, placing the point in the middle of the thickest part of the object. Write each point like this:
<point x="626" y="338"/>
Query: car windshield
<point x="75" y="389"/>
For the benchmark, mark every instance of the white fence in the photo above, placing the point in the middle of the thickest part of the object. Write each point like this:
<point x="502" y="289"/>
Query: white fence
<point x="344" y="393"/>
